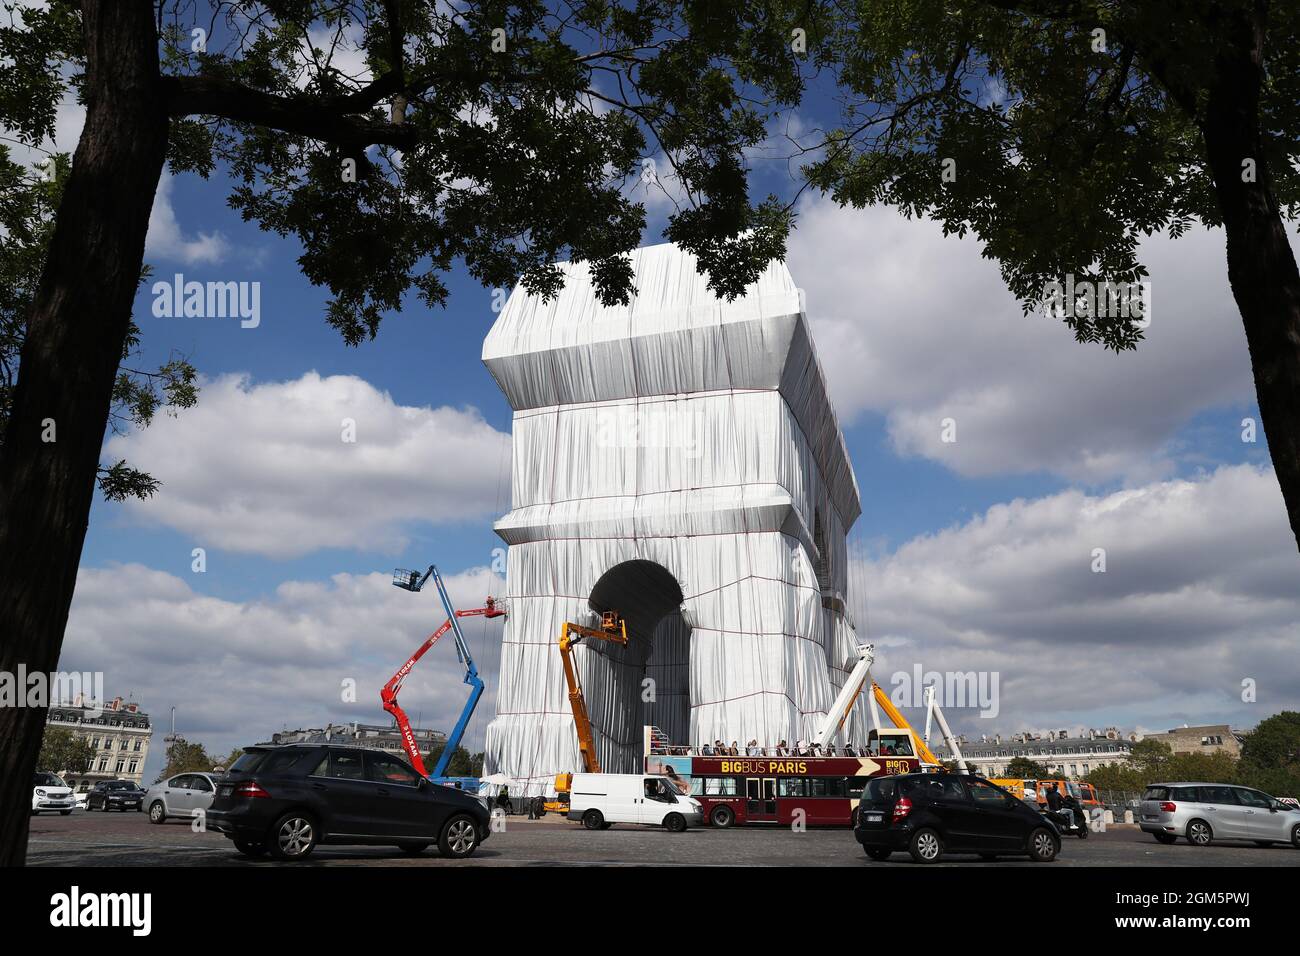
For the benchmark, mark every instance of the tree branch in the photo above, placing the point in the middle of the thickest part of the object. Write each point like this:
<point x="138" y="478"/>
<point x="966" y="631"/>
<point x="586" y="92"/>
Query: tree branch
<point x="331" y="120"/>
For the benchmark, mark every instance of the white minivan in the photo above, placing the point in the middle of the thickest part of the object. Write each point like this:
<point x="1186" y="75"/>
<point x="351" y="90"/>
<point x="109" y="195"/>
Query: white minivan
<point x="600" y="800"/>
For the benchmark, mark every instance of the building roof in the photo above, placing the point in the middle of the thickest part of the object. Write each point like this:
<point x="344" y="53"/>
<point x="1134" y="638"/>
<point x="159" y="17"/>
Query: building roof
<point x="1062" y="746"/>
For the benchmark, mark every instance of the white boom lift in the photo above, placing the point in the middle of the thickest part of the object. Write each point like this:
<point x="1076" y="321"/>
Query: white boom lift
<point x="848" y="695"/>
<point x="932" y="711"/>
<point x="839" y="711"/>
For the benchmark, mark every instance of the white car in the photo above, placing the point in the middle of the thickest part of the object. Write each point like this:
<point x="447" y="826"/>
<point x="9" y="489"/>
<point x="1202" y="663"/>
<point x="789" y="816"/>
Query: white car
<point x="49" y="793"/>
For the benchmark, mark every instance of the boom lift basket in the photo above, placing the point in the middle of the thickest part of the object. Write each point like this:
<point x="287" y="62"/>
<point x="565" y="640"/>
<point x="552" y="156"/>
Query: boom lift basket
<point x="406" y="579"/>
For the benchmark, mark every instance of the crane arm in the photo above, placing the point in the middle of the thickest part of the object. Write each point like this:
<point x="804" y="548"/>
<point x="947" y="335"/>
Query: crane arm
<point x="887" y="705"/>
<point x="932" y="710"/>
<point x="843" y="705"/>
<point x="388" y="696"/>
<point x="614" y="629"/>
<point x="414" y="581"/>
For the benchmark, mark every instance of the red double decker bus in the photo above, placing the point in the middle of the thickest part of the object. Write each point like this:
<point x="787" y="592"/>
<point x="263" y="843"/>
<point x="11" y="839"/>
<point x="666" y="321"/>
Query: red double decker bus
<point x="812" y="791"/>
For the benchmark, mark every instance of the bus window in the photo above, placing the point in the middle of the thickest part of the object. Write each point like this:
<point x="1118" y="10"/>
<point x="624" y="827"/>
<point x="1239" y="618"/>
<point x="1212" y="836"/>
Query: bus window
<point x="792" y="787"/>
<point x="720" y="787"/>
<point x="856" y="786"/>
<point x="826" y="787"/>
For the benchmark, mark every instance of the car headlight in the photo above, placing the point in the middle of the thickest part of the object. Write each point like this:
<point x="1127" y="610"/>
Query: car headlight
<point x="40" y="792"/>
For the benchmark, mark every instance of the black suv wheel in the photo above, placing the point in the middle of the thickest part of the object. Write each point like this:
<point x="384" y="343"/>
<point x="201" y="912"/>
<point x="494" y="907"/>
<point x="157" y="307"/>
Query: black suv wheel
<point x="293" y="836"/>
<point x="459" y="837"/>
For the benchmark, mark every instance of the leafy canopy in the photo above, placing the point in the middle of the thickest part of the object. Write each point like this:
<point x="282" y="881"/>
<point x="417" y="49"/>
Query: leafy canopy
<point x="1073" y="127"/>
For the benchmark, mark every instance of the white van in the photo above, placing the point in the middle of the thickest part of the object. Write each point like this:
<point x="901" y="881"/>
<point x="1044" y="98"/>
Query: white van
<point x="600" y="800"/>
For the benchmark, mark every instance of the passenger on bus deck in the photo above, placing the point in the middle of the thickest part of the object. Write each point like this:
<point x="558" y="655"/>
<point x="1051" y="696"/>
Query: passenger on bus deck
<point x="735" y="751"/>
<point x="706" y="751"/>
<point x="781" y="749"/>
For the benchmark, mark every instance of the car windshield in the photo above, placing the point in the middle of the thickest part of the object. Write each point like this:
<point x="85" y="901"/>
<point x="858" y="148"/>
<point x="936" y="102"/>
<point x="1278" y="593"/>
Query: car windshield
<point x="1156" y="793"/>
<point x="121" y="785"/>
<point x="48" y="780"/>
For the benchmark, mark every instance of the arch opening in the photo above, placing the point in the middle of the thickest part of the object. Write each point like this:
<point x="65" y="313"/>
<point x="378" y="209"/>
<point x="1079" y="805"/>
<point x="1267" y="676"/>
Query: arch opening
<point x="650" y="599"/>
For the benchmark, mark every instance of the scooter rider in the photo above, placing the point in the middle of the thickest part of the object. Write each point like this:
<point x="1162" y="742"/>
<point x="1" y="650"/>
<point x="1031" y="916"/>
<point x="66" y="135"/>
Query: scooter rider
<point x="1057" y="806"/>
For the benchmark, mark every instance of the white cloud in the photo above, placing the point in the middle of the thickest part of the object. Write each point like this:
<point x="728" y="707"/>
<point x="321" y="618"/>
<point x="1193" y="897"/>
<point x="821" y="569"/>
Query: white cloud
<point x="264" y="468"/>
<point x="239" y="671"/>
<point x="918" y="328"/>
<point x="1199" y="593"/>
<point x="166" y="240"/>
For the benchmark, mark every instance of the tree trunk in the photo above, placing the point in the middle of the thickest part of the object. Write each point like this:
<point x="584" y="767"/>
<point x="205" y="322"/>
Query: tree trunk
<point x="74" y="343"/>
<point x="1261" y="267"/>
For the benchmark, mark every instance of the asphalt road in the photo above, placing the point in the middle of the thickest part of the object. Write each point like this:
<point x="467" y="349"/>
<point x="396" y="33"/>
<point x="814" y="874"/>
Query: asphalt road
<point x="128" y="839"/>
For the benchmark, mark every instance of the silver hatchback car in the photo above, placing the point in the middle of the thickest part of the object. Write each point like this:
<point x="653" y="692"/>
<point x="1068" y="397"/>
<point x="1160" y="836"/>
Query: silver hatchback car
<point x="1205" y="812"/>
<point x="180" y="796"/>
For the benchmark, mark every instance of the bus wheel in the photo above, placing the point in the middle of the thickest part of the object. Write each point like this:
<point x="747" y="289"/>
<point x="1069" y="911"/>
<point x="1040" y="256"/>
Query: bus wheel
<point x="593" y="820"/>
<point x="722" y="817"/>
<point x="675" y="823"/>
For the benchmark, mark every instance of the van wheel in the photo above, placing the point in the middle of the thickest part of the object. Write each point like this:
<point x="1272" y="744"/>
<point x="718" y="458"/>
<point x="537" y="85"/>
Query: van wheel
<point x="1199" y="833"/>
<point x="593" y="820"/>
<point x="157" y="813"/>
<point x="293" y="836"/>
<point x="878" y="854"/>
<point x="1165" y="838"/>
<point x="1043" y="847"/>
<point x="674" y="823"/>
<point x="249" y="848"/>
<point x="925" y="846"/>
<point x="722" y="817"/>
<point x="459" y="837"/>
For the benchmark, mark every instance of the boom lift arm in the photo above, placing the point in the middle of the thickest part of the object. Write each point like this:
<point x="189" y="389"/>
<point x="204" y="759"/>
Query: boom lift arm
<point x="414" y="581"/>
<point x="612" y="628"/>
<point x="932" y="711"/>
<point x="839" y="711"/>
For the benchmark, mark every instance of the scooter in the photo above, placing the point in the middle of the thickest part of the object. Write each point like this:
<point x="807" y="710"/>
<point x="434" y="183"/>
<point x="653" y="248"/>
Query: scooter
<point x="1078" y="828"/>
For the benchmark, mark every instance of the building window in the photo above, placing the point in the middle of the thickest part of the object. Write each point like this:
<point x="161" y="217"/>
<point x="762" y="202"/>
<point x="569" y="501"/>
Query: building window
<point x="94" y="744"/>
<point x="134" y="764"/>
<point x="120" y="765"/>
<point x="136" y="748"/>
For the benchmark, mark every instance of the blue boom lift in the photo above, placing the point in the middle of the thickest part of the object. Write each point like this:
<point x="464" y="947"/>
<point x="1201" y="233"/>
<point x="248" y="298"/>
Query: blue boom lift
<point x="414" y="581"/>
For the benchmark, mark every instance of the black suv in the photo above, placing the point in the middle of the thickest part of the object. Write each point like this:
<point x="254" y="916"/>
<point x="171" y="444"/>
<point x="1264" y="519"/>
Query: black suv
<point x="287" y="800"/>
<point x="115" y="795"/>
<point x="928" y="814"/>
